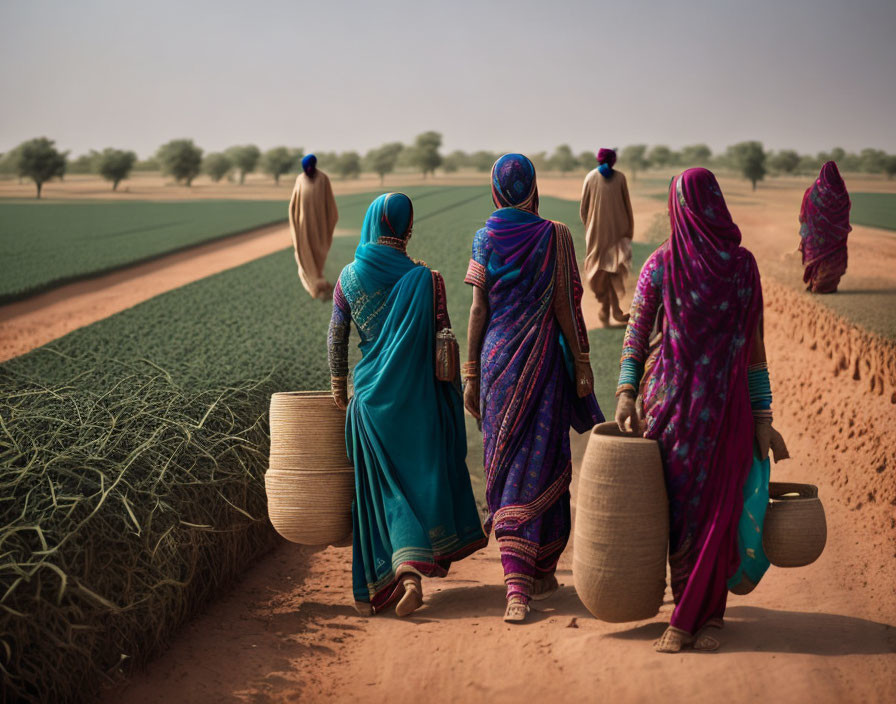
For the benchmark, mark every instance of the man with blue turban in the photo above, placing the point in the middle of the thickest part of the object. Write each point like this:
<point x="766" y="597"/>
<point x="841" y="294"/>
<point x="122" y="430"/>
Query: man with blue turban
<point x="312" y="219"/>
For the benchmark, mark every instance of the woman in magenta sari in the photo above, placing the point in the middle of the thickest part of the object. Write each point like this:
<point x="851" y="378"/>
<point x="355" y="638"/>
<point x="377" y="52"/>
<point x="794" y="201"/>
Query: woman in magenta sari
<point x="528" y="379"/>
<point x="705" y="393"/>
<point x="824" y="227"/>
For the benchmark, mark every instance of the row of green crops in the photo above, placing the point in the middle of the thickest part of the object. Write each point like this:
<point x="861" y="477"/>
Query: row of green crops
<point x="132" y="452"/>
<point x="873" y="210"/>
<point x="44" y="245"/>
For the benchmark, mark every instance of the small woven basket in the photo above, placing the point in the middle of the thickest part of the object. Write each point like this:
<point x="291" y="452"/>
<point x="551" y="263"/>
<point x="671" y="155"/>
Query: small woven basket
<point x="795" y="531"/>
<point x="622" y="527"/>
<point x="310" y="481"/>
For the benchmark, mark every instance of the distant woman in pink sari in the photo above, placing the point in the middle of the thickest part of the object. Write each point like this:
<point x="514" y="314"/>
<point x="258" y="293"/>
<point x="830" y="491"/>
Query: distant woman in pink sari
<point x="705" y="392"/>
<point x="824" y="227"/>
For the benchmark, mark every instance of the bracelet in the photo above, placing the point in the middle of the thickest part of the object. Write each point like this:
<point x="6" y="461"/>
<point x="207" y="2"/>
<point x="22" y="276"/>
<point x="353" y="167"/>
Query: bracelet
<point x="626" y="389"/>
<point x="583" y="357"/>
<point x="339" y="383"/>
<point x="469" y="370"/>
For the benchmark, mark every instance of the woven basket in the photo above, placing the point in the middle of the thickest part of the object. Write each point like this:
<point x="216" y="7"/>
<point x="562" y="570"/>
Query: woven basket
<point x="622" y="527"/>
<point x="310" y="482"/>
<point x="795" y="531"/>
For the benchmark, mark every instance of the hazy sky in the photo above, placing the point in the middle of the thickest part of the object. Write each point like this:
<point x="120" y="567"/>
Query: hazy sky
<point x="324" y="75"/>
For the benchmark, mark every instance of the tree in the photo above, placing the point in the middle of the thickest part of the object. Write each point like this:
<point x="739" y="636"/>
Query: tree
<point x="785" y="161"/>
<point x="890" y="166"/>
<point x="455" y="160"/>
<point x="587" y="161"/>
<point x="749" y="157"/>
<point x="483" y="160"/>
<point x="245" y="159"/>
<point x="660" y="156"/>
<point x="382" y="160"/>
<point x="539" y="160"/>
<point x="296" y="155"/>
<point x="562" y="159"/>
<point x="633" y="157"/>
<point x="181" y="159"/>
<point x="150" y="164"/>
<point x="348" y="165"/>
<point x="276" y="162"/>
<point x="39" y="160"/>
<point x="873" y="161"/>
<point x="216" y="165"/>
<point x="809" y="165"/>
<point x="115" y="165"/>
<point x="425" y="152"/>
<point x="84" y="164"/>
<point x="695" y="155"/>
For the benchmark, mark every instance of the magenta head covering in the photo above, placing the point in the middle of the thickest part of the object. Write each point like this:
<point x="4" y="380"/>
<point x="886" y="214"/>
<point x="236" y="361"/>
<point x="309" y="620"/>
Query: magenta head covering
<point x="606" y="156"/>
<point x="825" y="227"/>
<point x="712" y="281"/>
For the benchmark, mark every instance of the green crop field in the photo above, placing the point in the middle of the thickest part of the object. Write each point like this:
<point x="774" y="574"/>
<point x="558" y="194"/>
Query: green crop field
<point x="132" y="450"/>
<point x="873" y="210"/>
<point x="43" y="245"/>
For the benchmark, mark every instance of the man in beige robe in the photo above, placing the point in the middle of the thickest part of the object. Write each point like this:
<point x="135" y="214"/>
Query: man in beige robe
<point x="312" y="219"/>
<point x="606" y="212"/>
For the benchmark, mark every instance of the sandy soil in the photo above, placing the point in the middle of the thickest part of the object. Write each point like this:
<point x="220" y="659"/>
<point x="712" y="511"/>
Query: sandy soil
<point x="823" y="633"/>
<point x="826" y="632"/>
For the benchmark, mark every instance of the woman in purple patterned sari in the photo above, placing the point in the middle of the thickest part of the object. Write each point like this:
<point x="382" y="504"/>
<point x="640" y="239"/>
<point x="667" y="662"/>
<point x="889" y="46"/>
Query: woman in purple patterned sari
<point x="528" y="379"/>
<point x="824" y="227"/>
<point x="705" y="393"/>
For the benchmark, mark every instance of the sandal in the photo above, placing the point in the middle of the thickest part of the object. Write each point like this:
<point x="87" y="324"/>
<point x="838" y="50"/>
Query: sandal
<point x="412" y="599"/>
<point x="674" y="640"/>
<point x="517" y="610"/>
<point x="544" y="588"/>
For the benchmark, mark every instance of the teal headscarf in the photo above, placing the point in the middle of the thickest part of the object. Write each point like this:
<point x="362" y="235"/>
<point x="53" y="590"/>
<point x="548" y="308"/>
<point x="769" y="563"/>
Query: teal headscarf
<point x="390" y="215"/>
<point x="378" y="265"/>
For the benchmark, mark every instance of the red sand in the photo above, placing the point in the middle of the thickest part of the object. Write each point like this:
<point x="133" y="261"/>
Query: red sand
<point x="816" y="634"/>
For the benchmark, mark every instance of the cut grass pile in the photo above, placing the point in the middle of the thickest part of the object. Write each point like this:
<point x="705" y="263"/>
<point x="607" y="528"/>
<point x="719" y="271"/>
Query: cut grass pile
<point x="873" y="210"/>
<point x="132" y="451"/>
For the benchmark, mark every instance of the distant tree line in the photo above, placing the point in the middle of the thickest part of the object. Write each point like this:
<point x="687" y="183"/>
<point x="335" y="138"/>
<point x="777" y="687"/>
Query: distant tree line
<point x="39" y="161"/>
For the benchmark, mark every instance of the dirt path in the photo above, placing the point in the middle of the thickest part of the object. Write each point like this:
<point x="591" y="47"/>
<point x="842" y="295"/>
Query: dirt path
<point x="823" y="633"/>
<point x="42" y="318"/>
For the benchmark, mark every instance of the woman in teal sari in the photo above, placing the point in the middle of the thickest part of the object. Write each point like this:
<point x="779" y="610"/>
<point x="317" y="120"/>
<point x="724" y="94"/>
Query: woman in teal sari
<point x="414" y="512"/>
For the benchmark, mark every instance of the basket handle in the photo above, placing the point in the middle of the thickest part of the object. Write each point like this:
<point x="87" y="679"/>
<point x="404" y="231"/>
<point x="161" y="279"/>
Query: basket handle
<point x="805" y="491"/>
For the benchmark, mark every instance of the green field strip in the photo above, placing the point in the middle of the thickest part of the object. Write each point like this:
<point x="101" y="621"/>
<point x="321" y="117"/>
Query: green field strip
<point x="873" y="210"/>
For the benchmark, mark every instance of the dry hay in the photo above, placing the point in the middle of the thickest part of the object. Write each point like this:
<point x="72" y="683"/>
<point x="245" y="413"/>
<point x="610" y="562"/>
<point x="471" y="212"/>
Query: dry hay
<point x="123" y="510"/>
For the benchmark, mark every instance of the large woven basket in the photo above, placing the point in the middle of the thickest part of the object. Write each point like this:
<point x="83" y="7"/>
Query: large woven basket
<point x="622" y="527"/>
<point x="795" y="531"/>
<point x="310" y="482"/>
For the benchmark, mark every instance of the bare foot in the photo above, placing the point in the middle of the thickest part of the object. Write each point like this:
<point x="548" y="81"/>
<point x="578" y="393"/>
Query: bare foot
<point x="517" y="610"/>
<point x="363" y="608"/>
<point x="544" y="588"/>
<point x="412" y="599"/>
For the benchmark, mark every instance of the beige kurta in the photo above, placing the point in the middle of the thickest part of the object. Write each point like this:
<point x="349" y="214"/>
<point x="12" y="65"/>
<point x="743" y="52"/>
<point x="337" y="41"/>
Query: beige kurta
<point x="312" y="219"/>
<point x="609" y="226"/>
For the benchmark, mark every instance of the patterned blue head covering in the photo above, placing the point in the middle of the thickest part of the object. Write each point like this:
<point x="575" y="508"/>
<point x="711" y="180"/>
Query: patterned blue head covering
<point x="309" y="164"/>
<point x="513" y="183"/>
